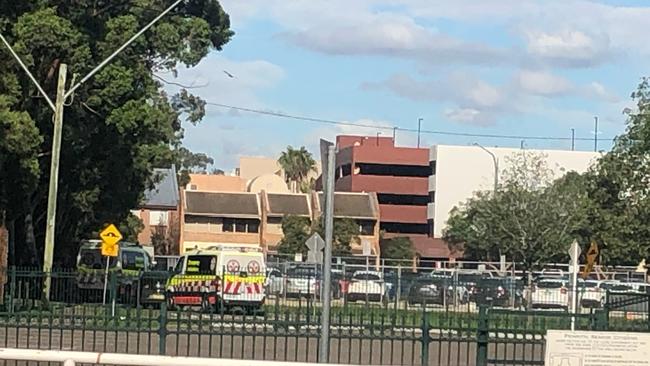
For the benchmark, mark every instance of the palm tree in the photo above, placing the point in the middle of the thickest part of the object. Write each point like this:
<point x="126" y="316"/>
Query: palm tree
<point x="297" y="164"/>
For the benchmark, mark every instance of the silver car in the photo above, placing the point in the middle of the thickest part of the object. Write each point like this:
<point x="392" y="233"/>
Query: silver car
<point x="274" y="282"/>
<point x="302" y="282"/>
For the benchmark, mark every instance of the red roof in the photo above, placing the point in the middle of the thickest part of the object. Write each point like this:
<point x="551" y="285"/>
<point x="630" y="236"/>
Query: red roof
<point x="427" y="247"/>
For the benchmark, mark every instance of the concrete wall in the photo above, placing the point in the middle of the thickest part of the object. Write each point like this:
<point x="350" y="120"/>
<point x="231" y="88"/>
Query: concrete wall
<point x="463" y="170"/>
<point x="213" y="183"/>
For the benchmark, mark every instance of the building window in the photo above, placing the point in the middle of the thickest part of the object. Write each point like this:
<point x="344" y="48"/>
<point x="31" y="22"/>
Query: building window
<point x="404" y="228"/>
<point x="228" y="225"/>
<point x="274" y="220"/>
<point x="158" y="218"/>
<point x="366" y="227"/>
<point x="432" y="167"/>
<point x="199" y="224"/>
<point x="346" y="170"/>
<point x="395" y="170"/>
<point x="432" y="196"/>
<point x="431" y="226"/>
<point x="253" y="226"/>
<point x="402" y="199"/>
<point x="241" y="225"/>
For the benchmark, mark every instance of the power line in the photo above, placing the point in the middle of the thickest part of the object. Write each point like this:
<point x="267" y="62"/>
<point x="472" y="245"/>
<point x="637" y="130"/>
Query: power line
<point x="432" y="132"/>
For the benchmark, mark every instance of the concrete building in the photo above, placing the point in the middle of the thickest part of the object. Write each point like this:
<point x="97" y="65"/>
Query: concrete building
<point x="256" y="218"/>
<point x="460" y="171"/>
<point x="399" y="176"/>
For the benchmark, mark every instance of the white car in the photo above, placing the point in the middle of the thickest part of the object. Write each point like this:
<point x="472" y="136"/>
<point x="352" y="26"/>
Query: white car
<point x="592" y="293"/>
<point x="366" y="285"/>
<point x="550" y="294"/>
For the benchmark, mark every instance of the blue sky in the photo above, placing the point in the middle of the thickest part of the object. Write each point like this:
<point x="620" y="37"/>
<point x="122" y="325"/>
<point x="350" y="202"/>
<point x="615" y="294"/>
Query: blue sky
<point x="511" y="67"/>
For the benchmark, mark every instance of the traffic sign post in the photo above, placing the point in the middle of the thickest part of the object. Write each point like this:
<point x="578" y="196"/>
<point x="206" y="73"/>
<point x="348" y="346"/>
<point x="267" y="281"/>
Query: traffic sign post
<point x="574" y="253"/>
<point x="110" y="236"/>
<point x="315" y="244"/>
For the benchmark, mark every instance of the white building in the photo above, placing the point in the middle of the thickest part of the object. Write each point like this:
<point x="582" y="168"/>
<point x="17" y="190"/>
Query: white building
<point x="460" y="171"/>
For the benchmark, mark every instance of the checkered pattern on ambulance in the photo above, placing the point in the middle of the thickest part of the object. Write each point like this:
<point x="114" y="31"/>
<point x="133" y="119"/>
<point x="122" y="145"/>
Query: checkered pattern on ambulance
<point x="192" y="285"/>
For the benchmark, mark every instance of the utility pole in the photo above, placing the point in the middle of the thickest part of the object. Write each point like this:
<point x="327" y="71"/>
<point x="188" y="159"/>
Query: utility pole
<point x="596" y="134"/>
<point x="573" y="139"/>
<point x="324" y="342"/>
<point x="419" y="127"/>
<point x="54" y="178"/>
<point x="62" y="95"/>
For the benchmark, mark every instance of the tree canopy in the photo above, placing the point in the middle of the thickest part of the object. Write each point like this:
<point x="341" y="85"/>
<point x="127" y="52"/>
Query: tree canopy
<point x="400" y="247"/>
<point x="298" y="229"/>
<point x="532" y="219"/>
<point x="529" y="219"/>
<point x="118" y="126"/>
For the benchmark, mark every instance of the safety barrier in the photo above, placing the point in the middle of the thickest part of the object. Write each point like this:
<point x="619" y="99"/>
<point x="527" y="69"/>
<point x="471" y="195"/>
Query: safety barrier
<point x="70" y="358"/>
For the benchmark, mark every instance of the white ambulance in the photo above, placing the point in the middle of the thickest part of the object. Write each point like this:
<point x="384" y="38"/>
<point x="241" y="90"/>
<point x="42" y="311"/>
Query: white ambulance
<point x="226" y="275"/>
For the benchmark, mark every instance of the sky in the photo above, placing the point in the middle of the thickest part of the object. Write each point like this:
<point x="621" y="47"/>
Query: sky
<point x="523" y="68"/>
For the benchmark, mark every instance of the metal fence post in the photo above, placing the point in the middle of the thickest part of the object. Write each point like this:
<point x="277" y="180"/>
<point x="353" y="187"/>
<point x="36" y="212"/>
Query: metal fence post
<point x="482" y="336"/>
<point x="12" y="288"/>
<point x="604" y="314"/>
<point x="162" y="329"/>
<point x="426" y="337"/>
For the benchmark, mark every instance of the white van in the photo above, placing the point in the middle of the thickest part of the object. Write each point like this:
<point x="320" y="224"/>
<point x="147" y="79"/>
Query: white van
<point x="232" y="275"/>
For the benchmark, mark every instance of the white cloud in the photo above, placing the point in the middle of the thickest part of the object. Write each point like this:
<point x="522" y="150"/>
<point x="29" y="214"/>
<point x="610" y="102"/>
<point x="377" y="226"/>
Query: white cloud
<point x="464" y="115"/>
<point x="470" y="99"/>
<point x="569" y="48"/>
<point x="394" y="36"/>
<point x="597" y="90"/>
<point x="542" y="83"/>
<point x="249" y="78"/>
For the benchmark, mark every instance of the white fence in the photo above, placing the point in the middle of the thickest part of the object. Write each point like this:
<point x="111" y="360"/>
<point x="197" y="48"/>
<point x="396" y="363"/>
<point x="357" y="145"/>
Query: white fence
<point x="69" y="358"/>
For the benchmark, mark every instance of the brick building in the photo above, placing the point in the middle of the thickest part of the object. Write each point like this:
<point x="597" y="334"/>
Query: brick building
<point x="399" y="176"/>
<point x="256" y="218"/>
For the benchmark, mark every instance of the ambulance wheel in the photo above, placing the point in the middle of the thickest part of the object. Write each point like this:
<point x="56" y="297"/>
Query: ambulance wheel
<point x="170" y="304"/>
<point x="206" y="306"/>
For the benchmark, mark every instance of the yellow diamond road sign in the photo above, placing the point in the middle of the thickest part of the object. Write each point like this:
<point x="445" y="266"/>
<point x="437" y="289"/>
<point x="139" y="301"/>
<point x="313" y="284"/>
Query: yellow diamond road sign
<point x="110" y="235"/>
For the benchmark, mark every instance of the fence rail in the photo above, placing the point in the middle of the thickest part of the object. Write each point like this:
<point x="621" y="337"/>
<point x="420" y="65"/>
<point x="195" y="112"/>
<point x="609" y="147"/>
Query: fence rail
<point x="141" y="317"/>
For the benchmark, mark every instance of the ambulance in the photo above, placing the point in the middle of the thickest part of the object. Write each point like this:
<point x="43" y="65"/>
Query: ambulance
<point x="225" y="275"/>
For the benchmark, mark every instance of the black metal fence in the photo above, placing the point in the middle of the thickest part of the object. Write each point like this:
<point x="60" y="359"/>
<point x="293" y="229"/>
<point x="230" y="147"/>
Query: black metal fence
<point x="141" y="315"/>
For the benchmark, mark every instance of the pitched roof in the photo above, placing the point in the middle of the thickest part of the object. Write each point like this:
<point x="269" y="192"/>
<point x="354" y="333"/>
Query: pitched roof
<point x="165" y="192"/>
<point x="288" y="204"/>
<point x="222" y="204"/>
<point x="427" y="247"/>
<point x="352" y="205"/>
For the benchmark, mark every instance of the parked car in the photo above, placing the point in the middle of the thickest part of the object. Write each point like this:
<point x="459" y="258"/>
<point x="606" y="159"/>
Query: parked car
<point x="366" y="285"/>
<point x="401" y="282"/>
<point x="550" y="294"/>
<point x="428" y="289"/>
<point x="592" y="292"/>
<point x="497" y="292"/>
<point x="274" y="282"/>
<point x="302" y="282"/>
<point x="435" y="288"/>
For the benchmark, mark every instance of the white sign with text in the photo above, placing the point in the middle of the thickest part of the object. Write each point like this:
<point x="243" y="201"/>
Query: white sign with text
<point x="587" y="348"/>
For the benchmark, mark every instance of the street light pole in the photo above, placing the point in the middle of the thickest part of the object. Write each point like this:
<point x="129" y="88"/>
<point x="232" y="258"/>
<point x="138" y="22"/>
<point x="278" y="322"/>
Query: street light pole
<point x="496" y="165"/>
<point x="419" y="126"/>
<point x="595" y="133"/>
<point x="62" y="95"/>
